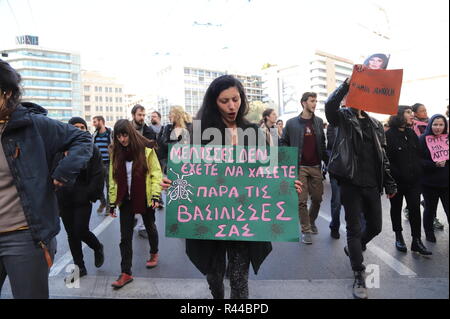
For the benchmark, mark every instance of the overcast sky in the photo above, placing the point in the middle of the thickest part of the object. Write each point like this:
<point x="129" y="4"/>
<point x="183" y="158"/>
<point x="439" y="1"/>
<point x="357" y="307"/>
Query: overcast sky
<point x="129" y="39"/>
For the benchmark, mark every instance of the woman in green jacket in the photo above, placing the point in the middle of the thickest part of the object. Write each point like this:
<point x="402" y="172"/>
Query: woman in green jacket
<point x="134" y="186"/>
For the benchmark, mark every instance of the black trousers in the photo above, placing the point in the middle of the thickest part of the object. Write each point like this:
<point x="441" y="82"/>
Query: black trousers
<point x="126" y="234"/>
<point x="357" y="200"/>
<point x="238" y="267"/>
<point x="412" y="195"/>
<point x="431" y="196"/>
<point x="76" y="222"/>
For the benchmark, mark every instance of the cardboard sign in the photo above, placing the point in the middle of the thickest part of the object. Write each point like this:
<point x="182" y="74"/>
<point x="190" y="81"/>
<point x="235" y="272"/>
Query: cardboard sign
<point x="375" y="90"/>
<point x="228" y="193"/>
<point x="419" y="127"/>
<point x="438" y="146"/>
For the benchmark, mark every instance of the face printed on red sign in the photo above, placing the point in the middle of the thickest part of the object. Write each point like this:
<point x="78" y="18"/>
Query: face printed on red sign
<point x="378" y="61"/>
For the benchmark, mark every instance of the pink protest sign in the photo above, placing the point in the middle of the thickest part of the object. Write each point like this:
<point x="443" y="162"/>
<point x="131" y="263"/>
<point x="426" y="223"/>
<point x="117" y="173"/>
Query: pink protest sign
<point x="419" y="127"/>
<point x="438" y="146"/>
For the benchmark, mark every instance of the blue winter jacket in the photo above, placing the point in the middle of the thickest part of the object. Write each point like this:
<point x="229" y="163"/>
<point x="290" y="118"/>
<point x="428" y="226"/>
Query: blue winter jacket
<point x="30" y="142"/>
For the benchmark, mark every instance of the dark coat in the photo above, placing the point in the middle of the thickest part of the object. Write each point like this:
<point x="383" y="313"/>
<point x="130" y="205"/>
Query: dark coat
<point x="294" y="133"/>
<point x="165" y="139"/>
<point x="203" y="253"/>
<point x="332" y="132"/>
<point x="404" y="156"/>
<point x="433" y="176"/>
<point x="89" y="184"/>
<point x="349" y="139"/>
<point x="149" y="133"/>
<point x="30" y="141"/>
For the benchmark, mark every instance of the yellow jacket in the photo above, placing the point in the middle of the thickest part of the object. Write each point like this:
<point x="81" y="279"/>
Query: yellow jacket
<point x="152" y="180"/>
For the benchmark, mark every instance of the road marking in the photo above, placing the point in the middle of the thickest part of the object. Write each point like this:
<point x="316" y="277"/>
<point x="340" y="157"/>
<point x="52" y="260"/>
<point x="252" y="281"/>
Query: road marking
<point x="67" y="257"/>
<point x="389" y="260"/>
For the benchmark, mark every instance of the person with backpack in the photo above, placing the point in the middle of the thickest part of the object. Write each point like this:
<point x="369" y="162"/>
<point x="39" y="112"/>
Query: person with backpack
<point x="75" y="206"/>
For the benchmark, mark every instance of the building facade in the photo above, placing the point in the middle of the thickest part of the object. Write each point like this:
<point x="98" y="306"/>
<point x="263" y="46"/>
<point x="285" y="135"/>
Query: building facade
<point x="103" y="95"/>
<point x="186" y="86"/>
<point x="50" y="78"/>
<point x="322" y="73"/>
<point x="327" y="72"/>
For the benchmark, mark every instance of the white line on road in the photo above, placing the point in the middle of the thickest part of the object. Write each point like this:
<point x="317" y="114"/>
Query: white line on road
<point x="67" y="257"/>
<point x="389" y="260"/>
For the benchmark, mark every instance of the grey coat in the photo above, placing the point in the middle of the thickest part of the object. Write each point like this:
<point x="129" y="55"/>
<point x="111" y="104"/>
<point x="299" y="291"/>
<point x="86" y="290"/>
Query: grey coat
<point x="294" y="132"/>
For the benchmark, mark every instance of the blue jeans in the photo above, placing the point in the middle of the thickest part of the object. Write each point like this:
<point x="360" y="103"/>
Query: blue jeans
<point x="23" y="261"/>
<point x="335" y="204"/>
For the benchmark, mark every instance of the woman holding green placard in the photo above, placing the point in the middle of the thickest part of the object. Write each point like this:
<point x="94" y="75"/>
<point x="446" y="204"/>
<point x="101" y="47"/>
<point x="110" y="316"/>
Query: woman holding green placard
<point x="224" y="107"/>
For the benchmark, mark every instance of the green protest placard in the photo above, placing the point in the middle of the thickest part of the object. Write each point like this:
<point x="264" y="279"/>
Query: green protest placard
<point x="232" y="193"/>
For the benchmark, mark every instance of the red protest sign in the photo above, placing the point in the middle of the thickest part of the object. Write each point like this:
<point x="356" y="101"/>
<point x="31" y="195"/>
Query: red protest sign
<point x="375" y="90"/>
<point x="438" y="146"/>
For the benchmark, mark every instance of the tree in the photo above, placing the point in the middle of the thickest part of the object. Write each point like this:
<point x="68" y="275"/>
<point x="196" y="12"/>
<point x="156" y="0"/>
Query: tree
<point x="256" y="110"/>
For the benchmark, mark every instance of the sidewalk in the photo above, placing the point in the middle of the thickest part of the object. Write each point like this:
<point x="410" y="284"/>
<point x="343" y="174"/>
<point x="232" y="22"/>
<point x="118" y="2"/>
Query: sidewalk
<point x="93" y="287"/>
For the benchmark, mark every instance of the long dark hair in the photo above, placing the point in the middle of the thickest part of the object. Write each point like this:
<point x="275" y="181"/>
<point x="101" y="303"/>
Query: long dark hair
<point x="266" y="114"/>
<point x="9" y="84"/>
<point x="398" y="120"/>
<point x="382" y="56"/>
<point x="209" y="114"/>
<point x="136" y="147"/>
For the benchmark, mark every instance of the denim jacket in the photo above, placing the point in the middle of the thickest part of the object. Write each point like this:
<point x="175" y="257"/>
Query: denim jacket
<point x="30" y="142"/>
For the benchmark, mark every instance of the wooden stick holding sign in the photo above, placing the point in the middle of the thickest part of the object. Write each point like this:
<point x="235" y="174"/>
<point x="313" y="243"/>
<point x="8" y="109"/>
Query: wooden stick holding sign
<point x="375" y="90"/>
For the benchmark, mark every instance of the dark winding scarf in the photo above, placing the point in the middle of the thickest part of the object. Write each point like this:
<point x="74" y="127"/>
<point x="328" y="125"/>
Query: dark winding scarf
<point x="138" y="189"/>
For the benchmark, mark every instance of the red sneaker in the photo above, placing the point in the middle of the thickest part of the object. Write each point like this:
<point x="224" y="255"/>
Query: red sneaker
<point x="153" y="262"/>
<point x="122" y="281"/>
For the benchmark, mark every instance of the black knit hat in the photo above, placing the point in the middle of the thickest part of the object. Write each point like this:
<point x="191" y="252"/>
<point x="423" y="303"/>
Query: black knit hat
<point x="76" y="119"/>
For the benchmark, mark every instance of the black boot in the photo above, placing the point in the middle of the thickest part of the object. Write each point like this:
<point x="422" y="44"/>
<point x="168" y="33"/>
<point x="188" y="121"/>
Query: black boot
<point x="216" y="286"/>
<point x="430" y="237"/>
<point x="99" y="256"/>
<point x="418" y="247"/>
<point x="400" y="242"/>
<point x="359" y="285"/>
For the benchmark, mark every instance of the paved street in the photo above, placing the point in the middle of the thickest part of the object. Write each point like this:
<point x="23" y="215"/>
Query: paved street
<point x="292" y="270"/>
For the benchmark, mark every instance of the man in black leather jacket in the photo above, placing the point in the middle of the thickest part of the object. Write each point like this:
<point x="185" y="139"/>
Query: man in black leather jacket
<point x="359" y="162"/>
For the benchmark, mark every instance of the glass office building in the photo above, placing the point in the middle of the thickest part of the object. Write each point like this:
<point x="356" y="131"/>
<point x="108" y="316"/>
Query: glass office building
<point x="50" y="78"/>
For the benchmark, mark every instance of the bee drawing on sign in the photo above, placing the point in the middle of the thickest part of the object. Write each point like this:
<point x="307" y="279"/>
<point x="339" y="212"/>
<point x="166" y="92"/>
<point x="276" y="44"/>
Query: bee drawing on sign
<point x="180" y="188"/>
